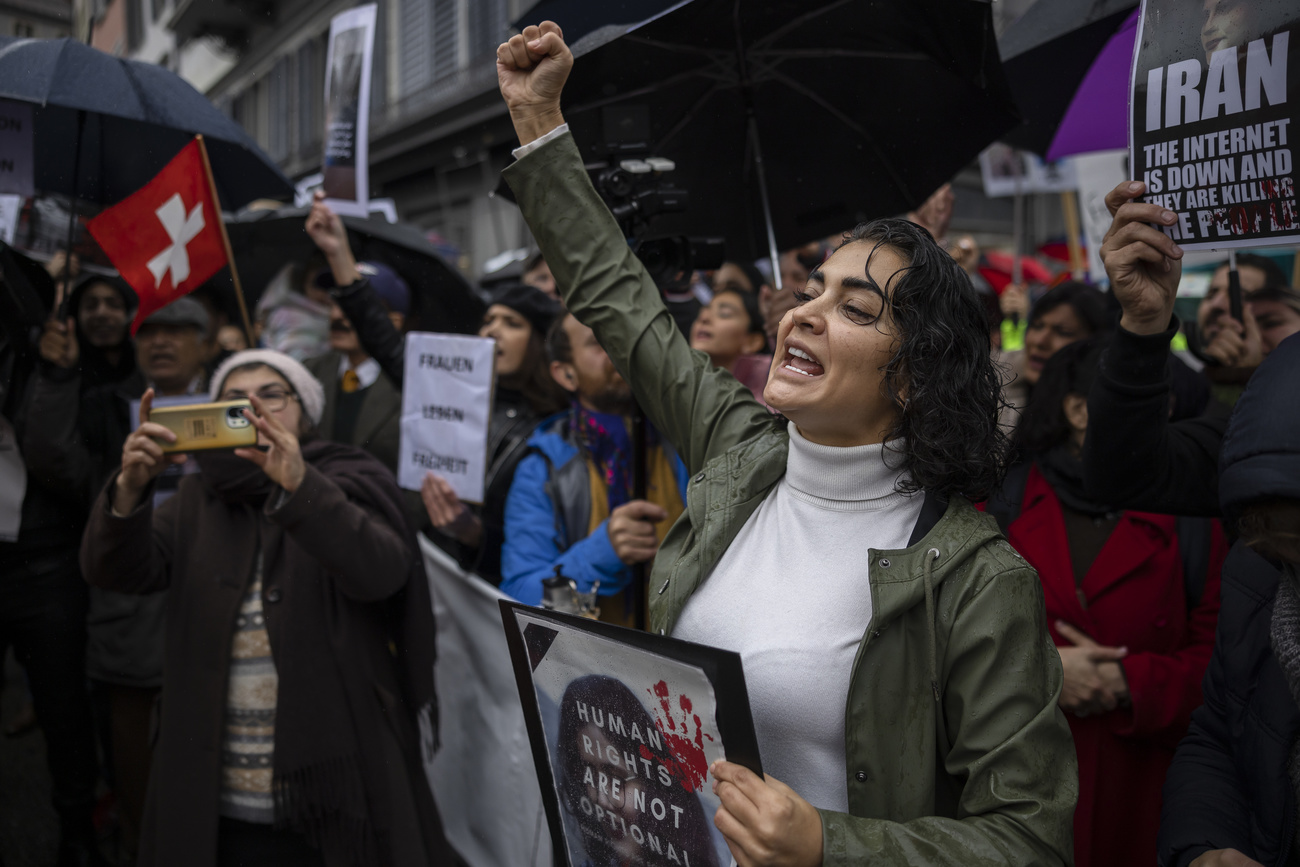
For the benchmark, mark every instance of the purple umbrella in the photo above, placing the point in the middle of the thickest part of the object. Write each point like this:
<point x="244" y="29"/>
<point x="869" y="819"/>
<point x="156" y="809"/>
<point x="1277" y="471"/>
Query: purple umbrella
<point x="1097" y="118"/>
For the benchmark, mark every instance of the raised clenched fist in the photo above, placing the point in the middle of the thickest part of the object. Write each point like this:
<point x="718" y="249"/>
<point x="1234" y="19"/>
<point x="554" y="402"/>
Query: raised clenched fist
<point x="531" y="70"/>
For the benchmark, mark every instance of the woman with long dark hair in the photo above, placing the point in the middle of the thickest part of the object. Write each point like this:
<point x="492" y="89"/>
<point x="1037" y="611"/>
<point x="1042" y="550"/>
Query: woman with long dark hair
<point x="902" y="684"/>
<point x="1132" y="603"/>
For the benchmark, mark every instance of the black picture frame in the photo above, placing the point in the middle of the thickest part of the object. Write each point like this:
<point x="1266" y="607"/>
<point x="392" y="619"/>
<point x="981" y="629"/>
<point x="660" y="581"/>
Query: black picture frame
<point x="723" y="668"/>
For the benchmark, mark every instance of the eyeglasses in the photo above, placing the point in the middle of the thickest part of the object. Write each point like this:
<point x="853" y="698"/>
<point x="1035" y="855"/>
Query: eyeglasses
<point x="275" y="399"/>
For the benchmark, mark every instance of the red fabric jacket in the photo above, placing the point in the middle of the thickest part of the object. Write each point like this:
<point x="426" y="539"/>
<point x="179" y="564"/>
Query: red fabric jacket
<point x="1133" y="596"/>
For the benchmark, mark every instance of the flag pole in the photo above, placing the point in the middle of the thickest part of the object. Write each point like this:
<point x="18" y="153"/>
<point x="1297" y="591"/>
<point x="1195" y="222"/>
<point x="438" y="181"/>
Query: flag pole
<point x="225" y="240"/>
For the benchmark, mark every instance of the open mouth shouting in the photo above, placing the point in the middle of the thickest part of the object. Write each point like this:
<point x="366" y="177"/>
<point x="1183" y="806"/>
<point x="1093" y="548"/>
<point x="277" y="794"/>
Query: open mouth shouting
<point x="800" y="361"/>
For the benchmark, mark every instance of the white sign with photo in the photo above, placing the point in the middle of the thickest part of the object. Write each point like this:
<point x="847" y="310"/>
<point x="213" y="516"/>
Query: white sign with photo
<point x="446" y="407"/>
<point x="1009" y="172"/>
<point x="1098" y="174"/>
<point x="348" y="60"/>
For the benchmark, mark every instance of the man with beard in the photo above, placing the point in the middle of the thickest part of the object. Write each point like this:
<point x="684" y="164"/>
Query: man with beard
<point x="1230" y="349"/>
<point x="571" y="507"/>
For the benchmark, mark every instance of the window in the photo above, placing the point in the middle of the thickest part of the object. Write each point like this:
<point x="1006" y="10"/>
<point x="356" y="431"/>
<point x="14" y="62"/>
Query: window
<point x="416" y="45"/>
<point x="489" y="22"/>
<point x="24" y="29"/>
<point x="446" y="38"/>
<point x="430" y="42"/>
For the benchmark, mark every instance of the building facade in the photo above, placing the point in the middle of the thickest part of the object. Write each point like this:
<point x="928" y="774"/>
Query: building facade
<point x="439" y="132"/>
<point x="41" y="19"/>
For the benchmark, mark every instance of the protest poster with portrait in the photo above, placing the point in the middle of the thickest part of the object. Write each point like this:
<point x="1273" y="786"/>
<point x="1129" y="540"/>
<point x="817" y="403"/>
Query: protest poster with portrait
<point x="348" y="60"/>
<point x="1210" y="123"/>
<point x="446" y="409"/>
<point x="624" y="726"/>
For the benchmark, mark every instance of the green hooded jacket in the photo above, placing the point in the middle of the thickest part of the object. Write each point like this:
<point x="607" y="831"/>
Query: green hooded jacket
<point x="957" y="753"/>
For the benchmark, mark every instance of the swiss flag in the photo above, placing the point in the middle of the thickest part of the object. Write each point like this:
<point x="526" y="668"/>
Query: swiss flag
<point x="166" y="237"/>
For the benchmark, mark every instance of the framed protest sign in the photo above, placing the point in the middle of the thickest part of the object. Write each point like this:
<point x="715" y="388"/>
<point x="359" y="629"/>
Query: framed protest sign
<point x="624" y="726"/>
<point x="446" y="407"/>
<point x="348" y="61"/>
<point x="1213" y="97"/>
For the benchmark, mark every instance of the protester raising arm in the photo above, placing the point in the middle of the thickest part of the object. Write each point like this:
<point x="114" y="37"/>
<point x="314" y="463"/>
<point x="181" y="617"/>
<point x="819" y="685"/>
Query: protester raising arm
<point x="1134" y="457"/>
<point x="680" y="392"/>
<point x="983" y="770"/>
<point x="354" y="294"/>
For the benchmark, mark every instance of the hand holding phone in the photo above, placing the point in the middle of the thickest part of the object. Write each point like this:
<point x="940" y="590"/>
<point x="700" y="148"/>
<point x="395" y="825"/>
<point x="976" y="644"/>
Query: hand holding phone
<point x="143" y="459"/>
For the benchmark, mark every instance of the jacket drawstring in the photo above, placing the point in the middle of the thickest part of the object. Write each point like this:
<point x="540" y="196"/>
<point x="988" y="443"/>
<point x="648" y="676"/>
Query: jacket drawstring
<point x="931" y="557"/>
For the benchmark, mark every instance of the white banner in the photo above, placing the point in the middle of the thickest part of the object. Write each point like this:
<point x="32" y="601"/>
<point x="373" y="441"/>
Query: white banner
<point x="446" y="407"/>
<point x="1098" y="174"/>
<point x="483" y="775"/>
<point x="348" y="61"/>
<point x="17" y="168"/>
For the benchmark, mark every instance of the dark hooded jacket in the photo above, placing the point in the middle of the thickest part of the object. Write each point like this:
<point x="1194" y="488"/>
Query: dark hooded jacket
<point x="1229" y="785"/>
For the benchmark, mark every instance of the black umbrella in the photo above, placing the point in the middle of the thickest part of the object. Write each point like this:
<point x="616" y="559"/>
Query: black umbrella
<point x="581" y="17"/>
<point x="125" y="120"/>
<point x="1046" y="53"/>
<point x="829" y="112"/>
<point x="442" y="299"/>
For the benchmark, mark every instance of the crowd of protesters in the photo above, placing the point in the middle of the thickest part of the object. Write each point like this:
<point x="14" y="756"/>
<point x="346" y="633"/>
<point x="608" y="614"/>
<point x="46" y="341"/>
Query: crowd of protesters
<point x="997" y="604"/>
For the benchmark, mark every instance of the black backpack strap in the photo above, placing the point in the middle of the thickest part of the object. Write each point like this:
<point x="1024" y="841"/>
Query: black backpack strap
<point x="1006" y="503"/>
<point x="931" y="511"/>
<point x="1195" y="536"/>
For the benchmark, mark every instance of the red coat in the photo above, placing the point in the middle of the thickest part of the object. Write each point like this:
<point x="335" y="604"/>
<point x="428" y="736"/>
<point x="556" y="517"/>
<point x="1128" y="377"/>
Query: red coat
<point x="1133" y="596"/>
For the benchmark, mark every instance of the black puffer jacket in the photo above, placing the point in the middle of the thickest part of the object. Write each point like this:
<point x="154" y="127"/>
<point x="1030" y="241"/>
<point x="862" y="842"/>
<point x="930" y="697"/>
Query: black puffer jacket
<point x="1228" y="786"/>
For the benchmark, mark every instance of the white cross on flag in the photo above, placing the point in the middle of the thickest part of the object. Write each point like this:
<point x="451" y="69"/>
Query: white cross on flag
<point x="165" y="238"/>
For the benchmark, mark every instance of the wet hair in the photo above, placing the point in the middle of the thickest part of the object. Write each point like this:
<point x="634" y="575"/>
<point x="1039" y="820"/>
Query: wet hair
<point x="1071" y="370"/>
<point x="1088" y="304"/>
<point x="941" y="376"/>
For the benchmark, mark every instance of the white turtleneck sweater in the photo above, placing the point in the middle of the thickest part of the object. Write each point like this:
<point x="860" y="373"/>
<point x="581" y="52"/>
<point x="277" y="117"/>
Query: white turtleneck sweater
<point x="791" y="595"/>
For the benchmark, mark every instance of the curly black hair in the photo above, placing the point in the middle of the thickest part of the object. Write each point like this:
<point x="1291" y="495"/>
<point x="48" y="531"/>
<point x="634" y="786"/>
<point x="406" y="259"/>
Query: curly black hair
<point x="941" y="376"/>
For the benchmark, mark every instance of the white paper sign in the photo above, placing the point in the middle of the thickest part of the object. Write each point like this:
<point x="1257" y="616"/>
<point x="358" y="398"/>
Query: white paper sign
<point x="348" y="60"/>
<point x="17" y="172"/>
<point x="1098" y="174"/>
<point x="446" y="406"/>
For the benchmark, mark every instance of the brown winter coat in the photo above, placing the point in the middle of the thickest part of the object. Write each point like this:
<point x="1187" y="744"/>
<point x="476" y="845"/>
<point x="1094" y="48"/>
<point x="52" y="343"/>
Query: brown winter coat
<point x="333" y="564"/>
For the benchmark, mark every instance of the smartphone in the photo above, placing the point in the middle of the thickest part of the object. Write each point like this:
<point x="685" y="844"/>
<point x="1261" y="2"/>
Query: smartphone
<point x="206" y="425"/>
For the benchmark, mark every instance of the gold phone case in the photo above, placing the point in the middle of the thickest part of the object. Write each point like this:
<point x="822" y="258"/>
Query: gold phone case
<point x="206" y="425"/>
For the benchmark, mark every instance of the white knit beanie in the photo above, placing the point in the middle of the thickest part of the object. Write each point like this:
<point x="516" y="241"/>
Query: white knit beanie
<point x="310" y="392"/>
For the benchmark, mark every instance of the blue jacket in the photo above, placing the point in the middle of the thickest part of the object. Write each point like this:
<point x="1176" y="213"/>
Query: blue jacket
<point x="545" y="524"/>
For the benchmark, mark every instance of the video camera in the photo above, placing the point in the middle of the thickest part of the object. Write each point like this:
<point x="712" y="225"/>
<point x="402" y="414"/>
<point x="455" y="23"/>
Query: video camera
<point x="637" y="188"/>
